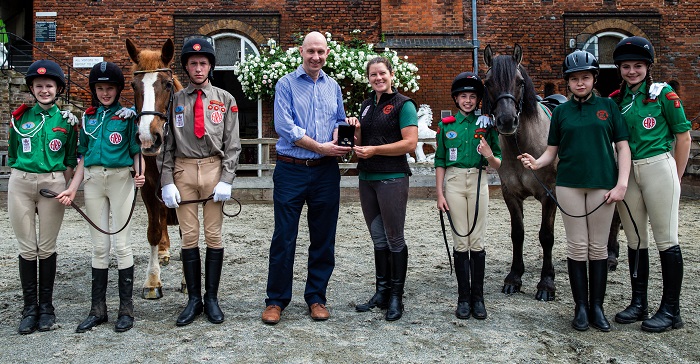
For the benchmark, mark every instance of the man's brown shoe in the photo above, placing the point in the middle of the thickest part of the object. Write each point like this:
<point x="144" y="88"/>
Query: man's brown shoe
<point x="272" y="314"/>
<point x="319" y="312"/>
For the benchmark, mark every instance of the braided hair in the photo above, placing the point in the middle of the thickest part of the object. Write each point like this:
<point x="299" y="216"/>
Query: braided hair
<point x="617" y="95"/>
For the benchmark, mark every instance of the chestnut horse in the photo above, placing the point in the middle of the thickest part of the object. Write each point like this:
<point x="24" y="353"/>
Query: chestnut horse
<point x="154" y="84"/>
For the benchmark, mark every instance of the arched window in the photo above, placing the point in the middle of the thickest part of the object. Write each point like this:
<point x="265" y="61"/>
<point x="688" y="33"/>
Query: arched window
<point x="602" y="46"/>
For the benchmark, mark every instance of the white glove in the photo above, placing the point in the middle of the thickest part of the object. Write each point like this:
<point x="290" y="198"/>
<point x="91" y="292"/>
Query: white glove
<point x="171" y="196"/>
<point x="655" y="89"/>
<point x="222" y="192"/>
<point x="125" y="113"/>
<point x="484" y="121"/>
<point x="72" y="120"/>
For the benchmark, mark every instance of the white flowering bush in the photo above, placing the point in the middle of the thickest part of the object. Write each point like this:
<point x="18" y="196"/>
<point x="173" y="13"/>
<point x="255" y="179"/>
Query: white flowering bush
<point x="346" y="64"/>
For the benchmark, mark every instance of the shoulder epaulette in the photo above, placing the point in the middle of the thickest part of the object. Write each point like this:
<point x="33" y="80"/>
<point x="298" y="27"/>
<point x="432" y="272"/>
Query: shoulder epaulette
<point x="20" y="111"/>
<point x="448" y="119"/>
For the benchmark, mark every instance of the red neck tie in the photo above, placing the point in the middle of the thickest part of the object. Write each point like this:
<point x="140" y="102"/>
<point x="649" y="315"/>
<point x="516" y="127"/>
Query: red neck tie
<point x="199" y="116"/>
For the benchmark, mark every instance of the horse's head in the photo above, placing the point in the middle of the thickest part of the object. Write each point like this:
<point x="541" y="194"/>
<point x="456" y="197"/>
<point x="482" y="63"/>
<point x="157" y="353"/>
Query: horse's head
<point x="508" y="90"/>
<point x="425" y="115"/>
<point x="154" y="85"/>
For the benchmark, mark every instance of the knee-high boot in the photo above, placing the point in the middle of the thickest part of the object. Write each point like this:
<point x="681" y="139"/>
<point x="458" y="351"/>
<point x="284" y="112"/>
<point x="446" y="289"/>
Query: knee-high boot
<point x="598" y="280"/>
<point x="464" y="309"/>
<point x="382" y="275"/>
<point x="478" y="266"/>
<point x="638" y="308"/>
<point x="125" y="319"/>
<point x="669" y="314"/>
<point x="399" y="265"/>
<point x="212" y="275"/>
<point x="30" y="313"/>
<point x="578" y="277"/>
<point x="98" y="310"/>
<point x="192" y="269"/>
<point x="47" y="276"/>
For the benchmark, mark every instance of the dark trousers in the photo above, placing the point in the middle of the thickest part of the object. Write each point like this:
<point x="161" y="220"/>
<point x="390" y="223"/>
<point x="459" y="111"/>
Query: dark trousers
<point x="384" y="207"/>
<point x="319" y="188"/>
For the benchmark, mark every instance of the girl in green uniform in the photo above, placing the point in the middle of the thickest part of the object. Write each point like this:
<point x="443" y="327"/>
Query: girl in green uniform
<point x="655" y="119"/>
<point x="109" y="149"/>
<point x="465" y="146"/>
<point x="581" y="134"/>
<point x="42" y="155"/>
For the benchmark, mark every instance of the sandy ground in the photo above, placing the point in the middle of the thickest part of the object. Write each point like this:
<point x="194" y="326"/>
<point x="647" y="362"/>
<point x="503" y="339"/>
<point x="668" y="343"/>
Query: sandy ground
<point x="518" y="329"/>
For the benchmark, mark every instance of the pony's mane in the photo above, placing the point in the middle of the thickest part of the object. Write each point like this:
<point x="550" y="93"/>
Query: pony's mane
<point x="503" y="72"/>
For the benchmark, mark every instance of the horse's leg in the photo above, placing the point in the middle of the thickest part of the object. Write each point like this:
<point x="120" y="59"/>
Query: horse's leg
<point x="546" y="288"/>
<point x="420" y="155"/>
<point x="153" y="287"/>
<point x="613" y="244"/>
<point x="513" y="280"/>
<point x="164" y="240"/>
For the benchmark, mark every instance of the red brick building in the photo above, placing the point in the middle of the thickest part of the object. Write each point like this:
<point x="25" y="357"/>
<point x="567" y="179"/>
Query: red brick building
<point x="437" y="35"/>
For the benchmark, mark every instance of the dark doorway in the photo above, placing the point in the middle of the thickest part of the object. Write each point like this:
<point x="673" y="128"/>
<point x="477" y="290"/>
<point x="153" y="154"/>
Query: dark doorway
<point x="608" y="81"/>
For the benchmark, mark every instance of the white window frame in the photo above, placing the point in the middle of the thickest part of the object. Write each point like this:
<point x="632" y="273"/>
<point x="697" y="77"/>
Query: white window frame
<point x="595" y="45"/>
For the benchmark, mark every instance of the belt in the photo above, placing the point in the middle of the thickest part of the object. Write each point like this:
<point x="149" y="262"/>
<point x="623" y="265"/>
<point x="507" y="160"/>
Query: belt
<point x="305" y="162"/>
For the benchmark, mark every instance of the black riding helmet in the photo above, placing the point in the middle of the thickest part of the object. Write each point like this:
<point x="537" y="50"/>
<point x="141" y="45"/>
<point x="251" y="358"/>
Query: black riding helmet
<point x="198" y="46"/>
<point x="467" y="82"/>
<point x="46" y="68"/>
<point x="634" y="49"/>
<point x="580" y="61"/>
<point x="106" y="72"/>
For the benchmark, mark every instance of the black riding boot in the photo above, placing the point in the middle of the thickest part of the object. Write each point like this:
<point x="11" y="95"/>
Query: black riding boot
<point x="578" y="277"/>
<point x="125" y="320"/>
<point x="192" y="268"/>
<point x="98" y="310"/>
<point x="478" y="265"/>
<point x="47" y="275"/>
<point x="30" y="313"/>
<point x="669" y="314"/>
<point x="463" y="310"/>
<point x="638" y="309"/>
<point x="212" y="275"/>
<point x="399" y="265"/>
<point x="383" y="283"/>
<point x="598" y="274"/>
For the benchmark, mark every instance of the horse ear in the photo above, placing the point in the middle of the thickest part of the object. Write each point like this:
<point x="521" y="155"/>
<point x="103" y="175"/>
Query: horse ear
<point x="167" y="52"/>
<point x="488" y="56"/>
<point x="133" y="50"/>
<point x="518" y="53"/>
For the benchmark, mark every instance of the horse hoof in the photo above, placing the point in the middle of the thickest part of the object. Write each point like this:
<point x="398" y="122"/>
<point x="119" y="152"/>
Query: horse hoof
<point x="544" y="296"/>
<point x="183" y="288"/>
<point x="152" y="293"/>
<point x="510" y="289"/>
<point x="612" y="264"/>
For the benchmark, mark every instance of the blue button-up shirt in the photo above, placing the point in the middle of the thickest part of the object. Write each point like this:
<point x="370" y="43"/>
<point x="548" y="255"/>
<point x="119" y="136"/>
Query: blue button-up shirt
<point x="304" y="107"/>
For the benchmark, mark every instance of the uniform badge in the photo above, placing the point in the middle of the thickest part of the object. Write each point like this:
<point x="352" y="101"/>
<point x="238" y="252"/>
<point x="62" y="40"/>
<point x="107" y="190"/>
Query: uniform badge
<point x="234" y="108"/>
<point x="28" y="125"/>
<point x="451" y="134"/>
<point x="58" y="128"/>
<point x="196" y="47"/>
<point x="453" y="154"/>
<point x="602" y="115"/>
<point x="115" y="138"/>
<point x="179" y="120"/>
<point x="387" y="109"/>
<point x="27" y="145"/>
<point x="649" y="123"/>
<point x="216" y="108"/>
<point x="364" y="112"/>
<point x="92" y="121"/>
<point x="217" y="117"/>
<point x="55" y="145"/>
<point x="179" y="108"/>
<point x="210" y="107"/>
<point x="41" y="70"/>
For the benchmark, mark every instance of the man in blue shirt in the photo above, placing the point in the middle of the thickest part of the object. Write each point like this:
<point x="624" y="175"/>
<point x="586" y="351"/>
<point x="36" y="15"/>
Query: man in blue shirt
<point x="308" y="110"/>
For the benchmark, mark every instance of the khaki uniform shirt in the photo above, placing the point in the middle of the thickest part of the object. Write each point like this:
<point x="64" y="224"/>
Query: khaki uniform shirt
<point x="221" y="132"/>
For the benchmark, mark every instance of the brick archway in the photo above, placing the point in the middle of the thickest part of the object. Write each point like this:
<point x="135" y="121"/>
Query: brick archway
<point x="614" y="24"/>
<point x="233" y="25"/>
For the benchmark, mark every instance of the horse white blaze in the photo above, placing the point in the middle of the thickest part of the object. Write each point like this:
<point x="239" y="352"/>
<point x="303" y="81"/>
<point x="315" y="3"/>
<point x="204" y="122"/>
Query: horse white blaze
<point x="149" y="104"/>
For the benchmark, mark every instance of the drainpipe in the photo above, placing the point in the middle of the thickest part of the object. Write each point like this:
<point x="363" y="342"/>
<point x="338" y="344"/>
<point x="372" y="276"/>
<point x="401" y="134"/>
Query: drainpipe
<point x="475" y="41"/>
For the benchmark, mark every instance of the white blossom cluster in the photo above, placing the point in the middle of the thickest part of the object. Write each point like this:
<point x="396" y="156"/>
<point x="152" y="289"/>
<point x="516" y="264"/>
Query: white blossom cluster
<point x="259" y="74"/>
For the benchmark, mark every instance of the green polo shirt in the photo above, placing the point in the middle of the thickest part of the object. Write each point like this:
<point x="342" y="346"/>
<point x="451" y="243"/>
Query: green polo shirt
<point x="584" y="133"/>
<point x="457" y="143"/>
<point x="407" y="117"/>
<point x="42" y="141"/>
<point x="652" y="124"/>
<point x="106" y="139"/>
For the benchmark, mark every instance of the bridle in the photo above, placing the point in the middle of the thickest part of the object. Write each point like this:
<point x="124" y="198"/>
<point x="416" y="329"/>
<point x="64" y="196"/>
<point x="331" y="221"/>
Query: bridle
<point x="505" y="95"/>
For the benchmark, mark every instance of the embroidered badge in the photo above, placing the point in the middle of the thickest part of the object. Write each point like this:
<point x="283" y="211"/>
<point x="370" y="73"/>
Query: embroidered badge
<point x="41" y="70"/>
<point x="115" y="117"/>
<point x="55" y="145"/>
<point x="479" y="133"/>
<point x="179" y="108"/>
<point x="210" y="107"/>
<point x="216" y="102"/>
<point x="364" y="112"/>
<point x="453" y="154"/>
<point x="672" y="96"/>
<point x="115" y="138"/>
<point x="451" y="134"/>
<point x="387" y="109"/>
<point x="216" y="108"/>
<point x="649" y="123"/>
<point x="58" y="128"/>
<point x="179" y="120"/>
<point x="217" y="117"/>
<point x="234" y="108"/>
<point x="677" y="104"/>
<point x="602" y="115"/>
<point x="26" y="145"/>
<point x="92" y="121"/>
<point x="196" y="47"/>
<point x="28" y="125"/>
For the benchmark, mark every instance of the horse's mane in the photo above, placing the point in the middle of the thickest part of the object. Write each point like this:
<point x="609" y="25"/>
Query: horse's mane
<point x="151" y="60"/>
<point x="503" y="72"/>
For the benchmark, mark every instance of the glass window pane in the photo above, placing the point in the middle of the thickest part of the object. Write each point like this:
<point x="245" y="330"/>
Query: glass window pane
<point x="606" y="48"/>
<point x="249" y="49"/>
<point x="228" y="51"/>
